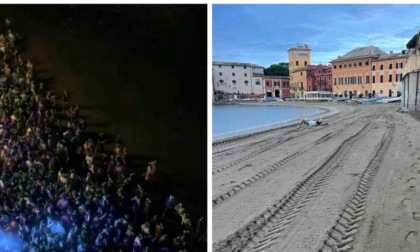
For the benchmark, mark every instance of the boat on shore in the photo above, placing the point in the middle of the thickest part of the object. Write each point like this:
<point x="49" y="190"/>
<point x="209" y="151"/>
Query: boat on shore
<point x="388" y="100"/>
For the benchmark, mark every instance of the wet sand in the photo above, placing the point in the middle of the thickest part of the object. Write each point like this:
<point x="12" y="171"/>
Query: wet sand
<point x="125" y="67"/>
<point x="349" y="185"/>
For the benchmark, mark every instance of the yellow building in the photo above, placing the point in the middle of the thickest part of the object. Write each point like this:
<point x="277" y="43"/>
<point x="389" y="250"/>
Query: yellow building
<point x="299" y="58"/>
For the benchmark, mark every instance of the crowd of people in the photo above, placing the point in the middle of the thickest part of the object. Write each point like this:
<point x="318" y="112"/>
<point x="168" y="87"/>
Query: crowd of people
<point x="64" y="190"/>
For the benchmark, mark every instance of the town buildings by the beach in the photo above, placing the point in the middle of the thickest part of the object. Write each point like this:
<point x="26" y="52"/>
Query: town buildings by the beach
<point x="319" y="77"/>
<point x="276" y="86"/>
<point x="363" y="72"/>
<point x="299" y="59"/>
<point x="368" y="71"/>
<point x="237" y="78"/>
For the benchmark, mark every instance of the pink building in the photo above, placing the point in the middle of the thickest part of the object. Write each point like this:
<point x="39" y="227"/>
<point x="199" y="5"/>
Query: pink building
<point x="319" y="77"/>
<point x="276" y="86"/>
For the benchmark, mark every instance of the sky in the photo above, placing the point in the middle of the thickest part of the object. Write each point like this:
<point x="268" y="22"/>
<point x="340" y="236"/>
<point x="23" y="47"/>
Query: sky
<point x="262" y="34"/>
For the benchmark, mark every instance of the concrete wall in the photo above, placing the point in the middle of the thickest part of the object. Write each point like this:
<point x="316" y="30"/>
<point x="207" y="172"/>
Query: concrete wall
<point x="410" y="91"/>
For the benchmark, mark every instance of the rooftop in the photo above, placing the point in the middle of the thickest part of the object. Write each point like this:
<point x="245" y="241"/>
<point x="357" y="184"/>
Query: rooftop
<point x="361" y="52"/>
<point x="300" y="47"/>
<point x="225" y="63"/>
<point x="392" y="56"/>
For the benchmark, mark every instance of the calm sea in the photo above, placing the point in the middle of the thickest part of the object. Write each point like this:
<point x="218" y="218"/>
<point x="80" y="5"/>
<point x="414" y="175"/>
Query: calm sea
<point x="236" y="119"/>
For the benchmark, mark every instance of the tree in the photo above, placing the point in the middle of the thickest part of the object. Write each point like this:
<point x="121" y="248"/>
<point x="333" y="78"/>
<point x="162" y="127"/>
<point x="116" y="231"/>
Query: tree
<point x="281" y="69"/>
<point x="412" y="43"/>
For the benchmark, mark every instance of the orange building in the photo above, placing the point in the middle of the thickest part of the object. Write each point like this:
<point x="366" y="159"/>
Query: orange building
<point x="367" y="71"/>
<point x="352" y="72"/>
<point x="299" y="58"/>
<point x="276" y="86"/>
<point x="387" y="74"/>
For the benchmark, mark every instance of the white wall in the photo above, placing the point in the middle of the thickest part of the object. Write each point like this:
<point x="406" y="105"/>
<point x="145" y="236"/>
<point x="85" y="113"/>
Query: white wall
<point x="240" y="78"/>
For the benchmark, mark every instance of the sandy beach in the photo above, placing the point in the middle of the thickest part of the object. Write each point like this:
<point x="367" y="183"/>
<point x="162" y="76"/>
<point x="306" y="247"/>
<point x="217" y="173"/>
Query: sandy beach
<point x="349" y="185"/>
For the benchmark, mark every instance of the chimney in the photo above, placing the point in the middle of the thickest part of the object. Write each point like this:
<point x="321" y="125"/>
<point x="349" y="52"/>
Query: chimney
<point x="403" y="51"/>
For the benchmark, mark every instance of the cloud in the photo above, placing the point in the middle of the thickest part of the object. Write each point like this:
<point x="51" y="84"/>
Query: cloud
<point x="262" y="34"/>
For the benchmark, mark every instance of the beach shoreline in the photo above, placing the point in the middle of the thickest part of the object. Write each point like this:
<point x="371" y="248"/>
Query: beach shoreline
<point x="327" y="111"/>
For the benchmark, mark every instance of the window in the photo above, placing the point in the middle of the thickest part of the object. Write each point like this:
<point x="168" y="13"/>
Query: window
<point x="367" y="79"/>
<point x="345" y="65"/>
<point x="233" y="67"/>
<point x="396" y="65"/>
<point x="373" y="79"/>
<point x="257" y="82"/>
<point x="297" y="63"/>
<point x="300" y="73"/>
<point x="359" y="79"/>
<point x="401" y="65"/>
<point x="246" y="83"/>
<point x="329" y="77"/>
<point x="335" y="67"/>
<point x="400" y="77"/>
<point x="360" y="63"/>
<point x="245" y="74"/>
<point x="306" y="63"/>
<point x="381" y="91"/>
<point x="244" y="67"/>
<point x="354" y="64"/>
<point x="233" y="74"/>
<point x="382" y="79"/>
<point x="382" y="67"/>
<point x="267" y="83"/>
<point x="345" y="81"/>
<point x="390" y="78"/>
<point x="367" y="63"/>
<point x="220" y="73"/>
<point x="220" y="66"/>
<point x="396" y="77"/>
<point x="390" y="66"/>
<point x="335" y="81"/>
<point x="234" y="82"/>
<point x="373" y="68"/>
<point x="301" y="85"/>
<point x="340" y="66"/>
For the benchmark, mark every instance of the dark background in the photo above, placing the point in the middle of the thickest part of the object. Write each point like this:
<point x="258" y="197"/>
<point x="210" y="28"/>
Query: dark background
<point x="135" y="70"/>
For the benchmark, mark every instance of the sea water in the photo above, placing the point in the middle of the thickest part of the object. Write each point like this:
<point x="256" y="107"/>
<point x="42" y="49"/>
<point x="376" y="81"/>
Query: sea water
<point x="236" y="119"/>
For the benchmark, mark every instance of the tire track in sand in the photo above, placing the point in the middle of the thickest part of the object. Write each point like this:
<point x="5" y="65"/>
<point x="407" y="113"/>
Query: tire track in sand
<point x="231" y="192"/>
<point x="343" y="233"/>
<point x="263" y="230"/>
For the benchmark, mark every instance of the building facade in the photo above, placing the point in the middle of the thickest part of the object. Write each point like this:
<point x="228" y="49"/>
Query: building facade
<point x="352" y="73"/>
<point x="319" y="77"/>
<point x="367" y="71"/>
<point x="299" y="59"/>
<point x="237" y="78"/>
<point x="387" y="74"/>
<point x="410" y="90"/>
<point x="276" y="86"/>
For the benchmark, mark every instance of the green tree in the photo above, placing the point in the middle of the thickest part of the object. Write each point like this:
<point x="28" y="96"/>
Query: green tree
<point x="412" y="43"/>
<point x="281" y="69"/>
